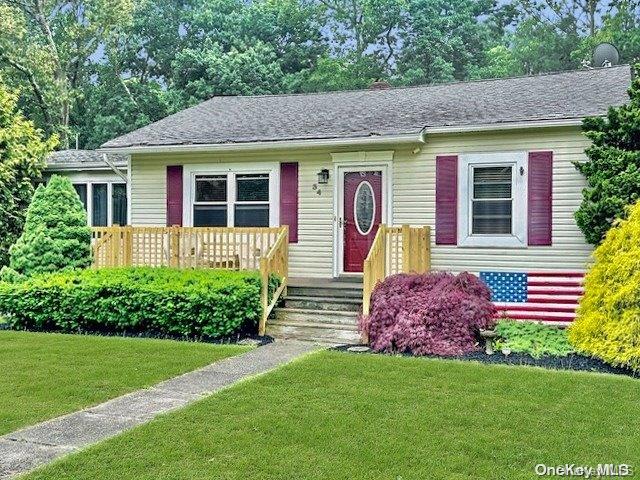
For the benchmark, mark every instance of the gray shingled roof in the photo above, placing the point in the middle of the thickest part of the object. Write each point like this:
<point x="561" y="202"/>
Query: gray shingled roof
<point x="394" y="111"/>
<point x="79" y="159"/>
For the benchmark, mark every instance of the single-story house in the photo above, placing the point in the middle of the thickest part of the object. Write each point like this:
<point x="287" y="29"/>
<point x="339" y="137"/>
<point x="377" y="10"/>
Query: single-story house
<point x="99" y="179"/>
<point x="487" y="164"/>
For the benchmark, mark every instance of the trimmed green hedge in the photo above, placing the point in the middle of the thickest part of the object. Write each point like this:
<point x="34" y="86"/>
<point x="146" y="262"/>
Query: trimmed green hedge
<point x="198" y="303"/>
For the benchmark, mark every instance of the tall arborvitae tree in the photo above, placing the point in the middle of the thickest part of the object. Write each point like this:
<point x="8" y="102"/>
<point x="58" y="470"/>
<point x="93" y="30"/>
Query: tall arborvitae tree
<point x="56" y="235"/>
<point x="613" y="166"/>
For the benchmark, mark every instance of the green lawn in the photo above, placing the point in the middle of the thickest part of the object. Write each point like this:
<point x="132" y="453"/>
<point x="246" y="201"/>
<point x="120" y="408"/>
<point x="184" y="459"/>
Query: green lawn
<point x="334" y="415"/>
<point x="44" y="375"/>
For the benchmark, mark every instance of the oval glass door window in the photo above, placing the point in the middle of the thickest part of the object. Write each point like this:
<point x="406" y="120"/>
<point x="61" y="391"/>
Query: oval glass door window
<point x="364" y="208"/>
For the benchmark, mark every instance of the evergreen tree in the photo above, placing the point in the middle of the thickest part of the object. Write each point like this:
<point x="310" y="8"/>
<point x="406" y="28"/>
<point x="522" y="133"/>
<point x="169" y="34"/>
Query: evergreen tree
<point x="613" y="167"/>
<point x="56" y="235"/>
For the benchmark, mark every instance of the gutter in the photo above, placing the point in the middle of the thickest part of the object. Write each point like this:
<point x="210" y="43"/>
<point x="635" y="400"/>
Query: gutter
<point x="78" y="167"/>
<point x="572" y="122"/>
<point x="417" y="138"/>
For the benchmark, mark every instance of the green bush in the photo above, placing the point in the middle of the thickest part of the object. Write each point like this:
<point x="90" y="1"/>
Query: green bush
<point x="534" y="339"/>
<point x="209" y="303"/>
<point x="22" y="157"/>
<point x="612" y="170"/>
<point x="608" y="321"/>
<point x="55" y="235"/>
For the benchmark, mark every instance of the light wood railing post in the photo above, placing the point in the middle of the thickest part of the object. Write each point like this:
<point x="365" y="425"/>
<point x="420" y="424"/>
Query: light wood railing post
<point x="128" y="245"/>
<point x="114" y="244"/>
<point x="383" y="251"/>
<point x="174" y="246"/>
<point x="285" y="267"/>
<point x="406" y="251"/>
<point x="366" y="289"/>
<point x="426" y="232"/>
<point x="264" y="295"/>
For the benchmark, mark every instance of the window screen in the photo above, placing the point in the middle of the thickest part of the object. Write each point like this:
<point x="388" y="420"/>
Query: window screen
<point x="210" y="215"/>
<point x="252" y="188"/>
<point x="119" y="204"/>
<point x="210" y="206"/>
<point x="211" y="188"/>
<point x="251" y="207"/>
<point x="99" y="205"/>
<point x="492" y="201"/>
<point x="81" y="190"/>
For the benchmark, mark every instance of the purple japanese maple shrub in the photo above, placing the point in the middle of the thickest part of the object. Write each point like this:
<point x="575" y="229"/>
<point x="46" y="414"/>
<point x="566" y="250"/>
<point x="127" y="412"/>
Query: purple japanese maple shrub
<point x="429" y="314"/>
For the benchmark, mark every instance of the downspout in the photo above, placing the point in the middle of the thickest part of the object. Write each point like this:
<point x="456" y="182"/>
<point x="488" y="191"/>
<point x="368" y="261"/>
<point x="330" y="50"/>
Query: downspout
<point x="117" y="171"/>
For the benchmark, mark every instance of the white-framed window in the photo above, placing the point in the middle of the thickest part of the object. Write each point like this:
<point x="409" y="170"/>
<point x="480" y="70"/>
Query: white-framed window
<point x="492" y="193"/>
<point x="238" y="196"/>
<point x="105" y="202"/>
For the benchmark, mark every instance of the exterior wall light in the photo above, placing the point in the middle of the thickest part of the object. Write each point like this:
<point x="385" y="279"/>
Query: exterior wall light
<point x="323" y="176"/>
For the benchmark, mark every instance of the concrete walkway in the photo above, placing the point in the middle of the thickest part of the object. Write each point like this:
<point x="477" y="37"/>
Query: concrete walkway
<point x="42" y="443"/>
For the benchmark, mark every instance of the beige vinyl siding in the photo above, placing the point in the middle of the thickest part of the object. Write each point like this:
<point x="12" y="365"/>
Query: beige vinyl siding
<point x="413" y="198"/>
<point x="312" y="256"/>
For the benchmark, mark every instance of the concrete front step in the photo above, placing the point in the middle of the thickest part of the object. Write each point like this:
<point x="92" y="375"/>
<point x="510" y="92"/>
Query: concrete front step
<point x="325" y="291"/>
<point x="324" y="326"/>
<point x="324" y="303"/>
<point x="313" y="332"/>
<point x="326" y="317"/>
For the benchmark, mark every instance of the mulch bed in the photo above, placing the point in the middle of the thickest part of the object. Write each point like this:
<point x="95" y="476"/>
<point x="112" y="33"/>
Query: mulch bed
<point x="571" y="362"/>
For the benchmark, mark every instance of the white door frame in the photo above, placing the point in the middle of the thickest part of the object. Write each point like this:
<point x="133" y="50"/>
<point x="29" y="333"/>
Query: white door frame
<point x="339" y="169"/>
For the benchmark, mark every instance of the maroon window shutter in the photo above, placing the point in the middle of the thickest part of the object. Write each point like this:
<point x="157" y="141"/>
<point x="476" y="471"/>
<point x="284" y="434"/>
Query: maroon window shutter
<point x="174" y="195"/>
<point x="539" y="198"/>
<point x="289" y="198"/>
<point x="446" y="200"/>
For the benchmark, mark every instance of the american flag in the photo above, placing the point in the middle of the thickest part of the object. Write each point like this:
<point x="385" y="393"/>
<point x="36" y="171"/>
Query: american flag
<point x="539" y="296"/>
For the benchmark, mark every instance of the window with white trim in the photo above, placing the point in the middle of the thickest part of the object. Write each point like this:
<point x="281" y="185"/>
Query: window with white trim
<point x="105" y="202"/>
<point x="492" y="192"/>
<point x="238" y="199"/>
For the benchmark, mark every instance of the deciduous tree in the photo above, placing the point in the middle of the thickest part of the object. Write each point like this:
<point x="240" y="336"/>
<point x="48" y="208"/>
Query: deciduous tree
<point x="22" y="154"/>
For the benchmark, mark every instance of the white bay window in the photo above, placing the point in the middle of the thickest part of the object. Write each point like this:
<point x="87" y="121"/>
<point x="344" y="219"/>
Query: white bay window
<point x="492" y="196"/>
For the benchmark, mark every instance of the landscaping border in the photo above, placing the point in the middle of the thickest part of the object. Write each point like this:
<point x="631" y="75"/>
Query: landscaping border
<point x="572" y="362"/>
<point x="236" y="338"/>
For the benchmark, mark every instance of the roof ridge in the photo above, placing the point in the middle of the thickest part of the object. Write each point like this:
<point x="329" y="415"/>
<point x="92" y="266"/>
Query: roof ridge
<point x="410" y="87"/>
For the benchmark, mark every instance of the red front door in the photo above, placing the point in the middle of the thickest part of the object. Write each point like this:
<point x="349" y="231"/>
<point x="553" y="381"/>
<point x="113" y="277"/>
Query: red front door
<point x="362" y="216"/>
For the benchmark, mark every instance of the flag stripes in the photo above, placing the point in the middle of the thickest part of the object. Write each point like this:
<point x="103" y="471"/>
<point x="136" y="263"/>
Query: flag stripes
<point x="549" y="297"/>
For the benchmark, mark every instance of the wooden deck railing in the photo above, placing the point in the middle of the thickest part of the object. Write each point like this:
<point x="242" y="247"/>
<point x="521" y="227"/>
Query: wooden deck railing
<point x="275" y="262"/>
<point x="263" y="249"/>
<point x="395" y="250"/>
<point x="183" y="247"/>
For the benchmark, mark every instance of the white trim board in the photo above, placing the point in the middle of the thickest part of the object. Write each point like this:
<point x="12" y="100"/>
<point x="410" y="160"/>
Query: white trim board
<point x="339" y="168"/>
<point x="518" y="160"/>
<point x="413" y="138"/>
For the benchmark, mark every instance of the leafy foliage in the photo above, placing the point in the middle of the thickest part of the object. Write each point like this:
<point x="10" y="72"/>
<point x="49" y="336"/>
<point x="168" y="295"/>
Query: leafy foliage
<point x="434" y="313"/>
<point x="139" y="299"/>
<point x="79" y="63"/>
<point x="532" y="338"/>
<point x="55" y="234"/>
<point x="444" y="39"/>
<point x="22" y="153"/>
<point x="49" y="46"/>
<point x="613" y="167"/>
<point x="608" y="322"/>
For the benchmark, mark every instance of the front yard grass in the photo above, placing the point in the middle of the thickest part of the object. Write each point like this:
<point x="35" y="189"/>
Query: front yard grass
<point x="44" y="375"/>
<point x="341" y="416"/>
